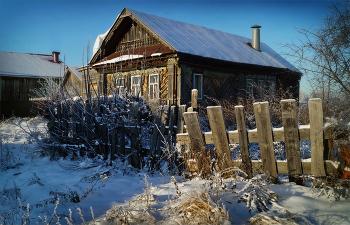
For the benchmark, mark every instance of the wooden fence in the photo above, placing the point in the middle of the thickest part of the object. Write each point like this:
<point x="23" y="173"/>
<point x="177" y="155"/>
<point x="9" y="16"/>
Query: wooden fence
<point x="291" y="133"/>
<point x="100" y="128"/>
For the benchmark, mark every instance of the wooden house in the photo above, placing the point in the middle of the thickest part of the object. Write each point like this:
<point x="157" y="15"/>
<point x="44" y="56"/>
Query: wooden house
<point x="71" y="82"/>
<point x="20" y="75"/>
<point x="161" y="59"/>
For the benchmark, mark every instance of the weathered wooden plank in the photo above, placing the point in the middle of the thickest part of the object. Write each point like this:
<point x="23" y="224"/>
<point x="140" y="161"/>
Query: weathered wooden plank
<point x="164" y="117"/>
<point x="291" y="136"/>
<point x="171" y="125"/>
<point x="263" y="124"/>
<point x="183" y="139"/>
<point x="195" y="131"/>
<point x="331" y="167"/>
<point x="155" y="132"/>
<point x="316" y="137"/>
<point x="113" y="144"/>
<point x="243" y="140"/>
<point x="194" y="97"/>
<point x="218" y="129"/>
<point x="180" y="119"/>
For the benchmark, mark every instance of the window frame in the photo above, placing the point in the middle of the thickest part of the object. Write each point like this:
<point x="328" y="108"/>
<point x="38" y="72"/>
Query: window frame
<point x="195" y="86"/>
<point x="155" y="94"/>
<point x="250" y="86"/>
<point x="137" y="90"/>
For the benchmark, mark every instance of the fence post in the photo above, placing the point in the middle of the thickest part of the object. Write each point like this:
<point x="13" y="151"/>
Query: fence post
<point x="194" y="97"/>
<point x="194" y="131"/>
<point x="218" y="129"/>
<point x="291" y="138"/>
<point x="180" y="119"/>
<point x="243" y="141"/>
<point x="263" y="124"/>
<point x="316" y="137"/>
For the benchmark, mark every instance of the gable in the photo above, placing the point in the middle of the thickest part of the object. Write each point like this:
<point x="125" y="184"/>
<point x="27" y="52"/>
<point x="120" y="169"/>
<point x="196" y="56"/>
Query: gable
<point x="127" y="36"/>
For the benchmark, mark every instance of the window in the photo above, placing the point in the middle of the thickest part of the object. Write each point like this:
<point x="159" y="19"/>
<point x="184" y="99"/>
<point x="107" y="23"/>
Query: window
<point x="249" y="87"/>
<point x="135" y="85"/>
<point x="198" y="84"/>
<point x="272" y="85"/>
<point x="261" y="85"/>
<point x="93" y="88"/>
<point x="120" y="85"/>
<point x="153" y="86"/>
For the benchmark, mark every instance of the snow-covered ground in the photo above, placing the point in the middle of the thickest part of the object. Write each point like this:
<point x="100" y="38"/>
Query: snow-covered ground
<point x="30" y="180"/>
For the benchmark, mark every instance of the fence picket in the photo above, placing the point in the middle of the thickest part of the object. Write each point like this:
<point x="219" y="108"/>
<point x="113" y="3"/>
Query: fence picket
<point x="291" y="137"/>
<point x="180" y="119"/>
<point x="316" y="137"/>
<point x="263" y="124"/>
<point x="217" y="125"/>
<point x="194" y="130"/>
<point x="243" y="141"/>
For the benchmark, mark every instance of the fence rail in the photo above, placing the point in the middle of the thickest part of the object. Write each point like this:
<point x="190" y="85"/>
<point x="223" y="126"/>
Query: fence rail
<point x="291" y="133"/>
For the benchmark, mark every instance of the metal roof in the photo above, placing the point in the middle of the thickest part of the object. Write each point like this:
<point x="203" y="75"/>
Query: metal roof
<point x="210" y="43"/>
<point x="16" y="64"/>
<point x="75" y="70"/>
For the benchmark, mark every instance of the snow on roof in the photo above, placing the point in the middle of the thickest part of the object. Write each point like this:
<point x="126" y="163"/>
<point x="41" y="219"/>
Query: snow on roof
<point x="210" y="43"/>
<point x="29" y="65"/>
<point x="119" y="59"/>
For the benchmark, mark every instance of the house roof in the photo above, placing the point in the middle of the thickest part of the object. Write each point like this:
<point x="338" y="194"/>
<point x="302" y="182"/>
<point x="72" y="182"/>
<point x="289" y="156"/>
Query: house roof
<point x="206" y="42"/>
<point x="75" y="70"/>
<point x="16" y="64"/>
<point x="210" y="43"/>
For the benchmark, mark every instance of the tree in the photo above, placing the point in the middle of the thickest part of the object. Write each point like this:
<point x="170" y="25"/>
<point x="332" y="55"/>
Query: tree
<point x="323" y="54"/>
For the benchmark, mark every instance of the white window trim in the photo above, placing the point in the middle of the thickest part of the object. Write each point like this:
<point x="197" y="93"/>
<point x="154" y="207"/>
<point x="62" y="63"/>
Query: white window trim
<point x="155" y="96"/>
<point x="200" y="92"/>
<point x="250" y="86"/>
<point x="133" y="89"/>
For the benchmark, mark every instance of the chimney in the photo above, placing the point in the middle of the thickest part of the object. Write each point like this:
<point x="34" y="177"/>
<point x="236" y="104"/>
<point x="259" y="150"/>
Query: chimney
<point x="256" y="37"/>
<point x="55" y="57"/>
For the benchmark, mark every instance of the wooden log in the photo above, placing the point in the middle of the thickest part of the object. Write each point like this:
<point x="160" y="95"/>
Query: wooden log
<point x="180" y="119"/>
<point x="194" y="97"/>
<point x="263" y="124"/>
<point x="243" y="141"/>
<point x="190" y="109"/>
<point x="195" y="131"/>
<point x="155" y="133"/>
<point x="291" y="136"/>
<point x="316" y="137"/>
<point x="218" y="129"/>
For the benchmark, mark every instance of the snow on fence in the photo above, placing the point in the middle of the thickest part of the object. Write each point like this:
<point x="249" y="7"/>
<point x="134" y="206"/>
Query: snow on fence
<point x="100" y="128"/>
<point x="291" y="133"/>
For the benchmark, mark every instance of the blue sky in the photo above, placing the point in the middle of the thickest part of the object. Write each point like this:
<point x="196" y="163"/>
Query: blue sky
<point x="65" y="26"/>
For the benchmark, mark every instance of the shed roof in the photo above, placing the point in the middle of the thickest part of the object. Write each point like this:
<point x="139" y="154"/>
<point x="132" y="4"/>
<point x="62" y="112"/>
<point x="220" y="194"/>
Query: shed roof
<point x="76" y="71"/>
<point x="210" y="43"/>
<point x="29" y="65"/>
